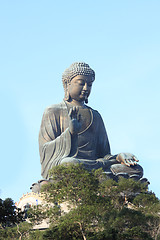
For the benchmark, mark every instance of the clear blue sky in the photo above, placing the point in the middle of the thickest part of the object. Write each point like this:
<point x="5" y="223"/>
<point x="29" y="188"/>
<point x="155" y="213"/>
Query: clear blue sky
<point x="39" y="39"/>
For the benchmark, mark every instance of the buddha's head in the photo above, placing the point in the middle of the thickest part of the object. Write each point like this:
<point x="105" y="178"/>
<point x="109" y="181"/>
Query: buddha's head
<point x="77" y="81"/>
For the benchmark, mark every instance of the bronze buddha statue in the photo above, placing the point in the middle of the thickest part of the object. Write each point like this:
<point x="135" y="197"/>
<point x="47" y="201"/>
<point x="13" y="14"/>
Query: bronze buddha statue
<point x="72" y="132"/>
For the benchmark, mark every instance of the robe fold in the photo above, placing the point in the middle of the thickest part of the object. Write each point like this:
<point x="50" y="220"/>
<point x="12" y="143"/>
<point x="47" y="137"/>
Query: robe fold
<point x="56" y="142"/>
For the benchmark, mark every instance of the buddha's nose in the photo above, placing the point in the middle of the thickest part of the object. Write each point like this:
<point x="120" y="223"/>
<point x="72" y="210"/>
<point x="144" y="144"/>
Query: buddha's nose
<point x="85" y="87"/>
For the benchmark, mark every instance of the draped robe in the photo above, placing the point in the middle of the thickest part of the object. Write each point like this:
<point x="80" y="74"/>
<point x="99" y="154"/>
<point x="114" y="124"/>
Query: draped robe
<point x="57" y="144"/>
<point x="89" y="147"/>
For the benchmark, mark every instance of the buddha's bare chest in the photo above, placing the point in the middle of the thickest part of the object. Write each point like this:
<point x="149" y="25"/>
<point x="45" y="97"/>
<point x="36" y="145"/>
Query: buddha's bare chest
<point x="85" y="118"/>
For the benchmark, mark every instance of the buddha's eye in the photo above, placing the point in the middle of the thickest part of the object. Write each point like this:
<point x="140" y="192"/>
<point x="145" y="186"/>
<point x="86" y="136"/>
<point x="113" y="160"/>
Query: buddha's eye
<point x="81" y="83"/>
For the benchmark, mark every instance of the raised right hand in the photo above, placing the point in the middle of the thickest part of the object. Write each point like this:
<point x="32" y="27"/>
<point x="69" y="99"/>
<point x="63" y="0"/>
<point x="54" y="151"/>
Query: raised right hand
<point x="74" y="123"/>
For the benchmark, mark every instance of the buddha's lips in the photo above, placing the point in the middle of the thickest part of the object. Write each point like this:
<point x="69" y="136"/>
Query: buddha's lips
<point x="84" y="93"/>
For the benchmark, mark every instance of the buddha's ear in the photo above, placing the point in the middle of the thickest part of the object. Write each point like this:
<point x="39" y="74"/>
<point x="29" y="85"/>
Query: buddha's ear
<point x="67" y="95"/>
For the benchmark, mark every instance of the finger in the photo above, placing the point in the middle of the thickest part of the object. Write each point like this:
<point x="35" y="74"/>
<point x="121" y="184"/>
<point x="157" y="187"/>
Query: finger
<point x="135" y="159"/>
<point x="74" y="109"/>
<point x="70" y="113"/>
<point x="77" y="109"/>
<point x="126" y="162"/>
<point x="132" y="162"/>
<point x="74" y="115"/>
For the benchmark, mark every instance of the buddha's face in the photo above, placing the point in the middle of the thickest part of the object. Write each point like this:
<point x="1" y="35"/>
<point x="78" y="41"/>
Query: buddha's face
<point x="80" y="87"/>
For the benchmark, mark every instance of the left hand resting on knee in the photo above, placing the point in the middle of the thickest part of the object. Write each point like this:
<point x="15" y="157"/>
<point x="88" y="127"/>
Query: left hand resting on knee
<point x="127" y="159"/>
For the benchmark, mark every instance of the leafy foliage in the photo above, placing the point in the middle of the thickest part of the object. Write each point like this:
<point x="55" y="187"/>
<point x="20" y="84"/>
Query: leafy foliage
<point x="18" y="231"/>
<point x="84" y="205"/>
<point x="9" y="214"/>
<point x="11" y="221"/>
<point x="97" y="208"/>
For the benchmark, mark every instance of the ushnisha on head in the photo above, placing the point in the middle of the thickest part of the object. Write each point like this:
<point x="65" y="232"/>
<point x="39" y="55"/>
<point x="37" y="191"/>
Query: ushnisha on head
<point x="77" y="68"/>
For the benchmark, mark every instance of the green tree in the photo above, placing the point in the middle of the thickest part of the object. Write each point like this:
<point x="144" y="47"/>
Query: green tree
<point x="9" y="214"/>
<point x="98" y="208"/>
<point x="18" y="231"/>
<point x="11" y="221"/>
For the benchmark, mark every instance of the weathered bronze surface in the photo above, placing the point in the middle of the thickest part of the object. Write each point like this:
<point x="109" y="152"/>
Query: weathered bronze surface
<point x="73" y="132"/>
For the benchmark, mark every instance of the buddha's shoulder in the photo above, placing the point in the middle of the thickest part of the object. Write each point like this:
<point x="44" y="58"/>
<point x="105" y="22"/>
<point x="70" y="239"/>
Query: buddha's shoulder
<point x="55" y="108"/>
<point x="95" y="112"/>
